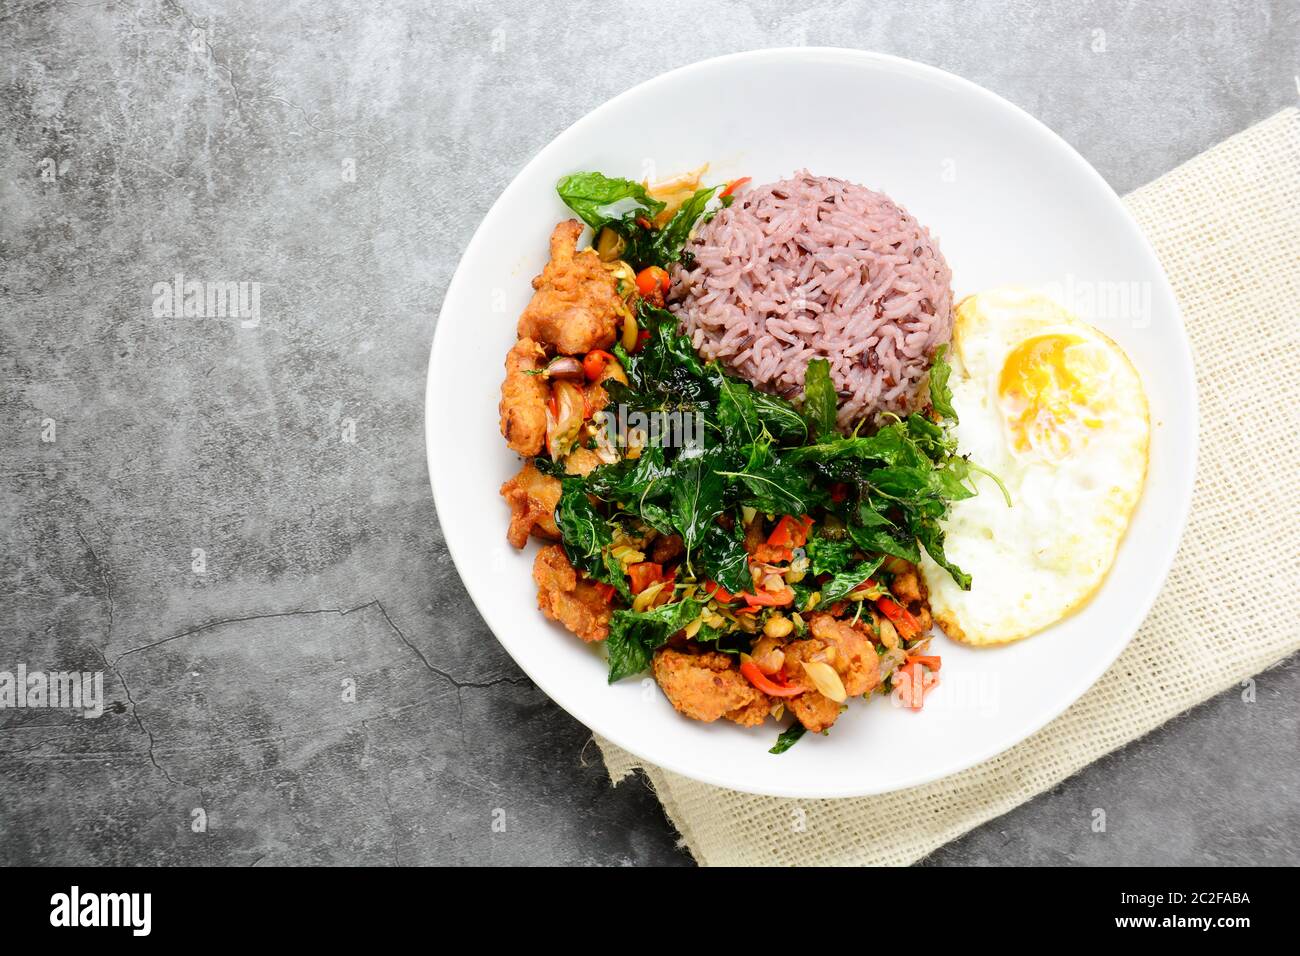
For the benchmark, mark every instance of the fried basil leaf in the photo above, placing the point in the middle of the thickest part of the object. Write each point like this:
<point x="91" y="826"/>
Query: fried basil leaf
<point x="737" y="413"/>
<point x="874" y="533"/>
<point x="696" y="497"/>
<point x="634" y="636"/>
<point x="630" y="479"/>
<point x="776" y="488"/>
<point x="583" y="530"/>
<point x="844" y="582"/>
<point x="788" y="738"/>
<point x="940" y="392"/>
<point x="723" y="557"/>
<point x="820" y="403"/>
<point x="671" y="239"/>
<point x="931" y="536"/>
<point x="781" y="418"/>
<point x="829" y="556"/>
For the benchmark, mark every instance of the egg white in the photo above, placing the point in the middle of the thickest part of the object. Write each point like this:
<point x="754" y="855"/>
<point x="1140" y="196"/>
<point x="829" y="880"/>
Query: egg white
<point x="1072" y="495"/>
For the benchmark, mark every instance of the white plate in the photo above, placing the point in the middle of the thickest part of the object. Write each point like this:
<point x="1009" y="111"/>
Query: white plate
<point x="1010" y="203"/>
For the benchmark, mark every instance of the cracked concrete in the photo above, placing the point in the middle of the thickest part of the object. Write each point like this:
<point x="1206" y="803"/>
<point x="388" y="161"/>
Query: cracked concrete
<point x="232" y="520"/>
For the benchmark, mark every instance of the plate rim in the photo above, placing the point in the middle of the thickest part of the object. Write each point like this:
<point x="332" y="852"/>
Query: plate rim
<point x="1142" y="609"/>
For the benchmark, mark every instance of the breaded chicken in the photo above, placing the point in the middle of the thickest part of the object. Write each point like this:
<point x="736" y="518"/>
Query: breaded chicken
<point x="854" y="659"/>
<point x="706" y="686"/>
<point x="848" y="650"/>
<point x="532" y="498"/>
<point x="566" y="597"/>
<point x="575" y="307"/>
<point x="813" y="709"/>
<point x="908" y="587"/>
<point x="523" y="398"/>
<point x="581" y="461"/>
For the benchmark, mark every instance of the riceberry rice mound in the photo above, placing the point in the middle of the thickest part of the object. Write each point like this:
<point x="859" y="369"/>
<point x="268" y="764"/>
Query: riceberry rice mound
<point x="813" y="267"/>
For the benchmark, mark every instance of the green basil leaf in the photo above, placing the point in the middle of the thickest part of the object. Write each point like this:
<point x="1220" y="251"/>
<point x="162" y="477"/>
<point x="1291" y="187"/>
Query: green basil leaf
<point x="931" y="536"/>
<point x="671" y="239"/>
<point x="844" y="582"/>
<point x="940" y="392"/>
<point x="584" y="532"/>
<point x="788" y="738"/>
<point x="827" y="556"/>
<point x="634" y="636"/>
<point x="820" y="403"/>
<point x="591" y="196"/>
<point x="723" y="557"/>
<point x="696" y="497"/>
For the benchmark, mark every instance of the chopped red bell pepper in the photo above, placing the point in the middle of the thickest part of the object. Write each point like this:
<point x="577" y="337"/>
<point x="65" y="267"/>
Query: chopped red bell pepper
<point x="764" y="683"/>
<point x="644" y="574"/>
<point x="718" y="592"/>
<point x="768" y="598"/>
<point x="907" y="626"/>
<point x="790" y="532"/>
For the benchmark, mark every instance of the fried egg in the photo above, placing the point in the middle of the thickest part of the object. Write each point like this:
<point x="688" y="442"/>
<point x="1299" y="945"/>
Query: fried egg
<point x="1055" y="409"/>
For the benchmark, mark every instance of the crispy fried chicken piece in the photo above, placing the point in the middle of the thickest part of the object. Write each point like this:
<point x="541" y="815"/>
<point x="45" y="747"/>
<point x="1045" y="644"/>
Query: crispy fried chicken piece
<point x="524" y="398"/>
<point x="532" y="498"/>
<point x="753" y="713"/>
<point x="706" y="686"/>
<point x="581" y="461"/>
<point x="908" y="588"/>
<point x="813" y="709"/>
<point x="847" y="650"/>
<point x="575" y="305"/>
<point x="855" y="659"/>
<point x="566" y="597"/>
<point x="768" y="654"/>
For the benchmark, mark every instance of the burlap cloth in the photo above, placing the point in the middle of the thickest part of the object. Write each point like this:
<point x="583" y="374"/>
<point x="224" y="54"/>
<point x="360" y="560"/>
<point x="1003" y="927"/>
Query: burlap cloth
<point x="1226" y="226"/>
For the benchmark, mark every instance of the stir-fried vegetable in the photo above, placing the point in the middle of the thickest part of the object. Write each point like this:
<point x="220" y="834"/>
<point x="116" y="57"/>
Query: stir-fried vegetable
<point x="623" y="215"/>
<point x="838" y="505"/>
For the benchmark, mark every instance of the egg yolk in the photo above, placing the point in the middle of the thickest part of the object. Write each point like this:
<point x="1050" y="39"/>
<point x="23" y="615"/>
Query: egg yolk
<point x="1048" y="393"/>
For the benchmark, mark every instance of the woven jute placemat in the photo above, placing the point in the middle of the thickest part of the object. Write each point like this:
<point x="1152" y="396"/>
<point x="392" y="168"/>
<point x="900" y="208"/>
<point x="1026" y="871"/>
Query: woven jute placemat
<point x="1226" y="226"/>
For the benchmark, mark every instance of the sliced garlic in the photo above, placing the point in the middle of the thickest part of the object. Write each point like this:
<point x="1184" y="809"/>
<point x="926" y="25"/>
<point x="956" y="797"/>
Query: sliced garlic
<point x="643" y="600"/>
<point x="826" y="681"/>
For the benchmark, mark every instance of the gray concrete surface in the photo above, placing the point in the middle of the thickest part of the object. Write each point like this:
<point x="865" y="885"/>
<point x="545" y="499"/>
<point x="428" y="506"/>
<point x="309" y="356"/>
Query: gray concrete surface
<point x="199" y="529"/>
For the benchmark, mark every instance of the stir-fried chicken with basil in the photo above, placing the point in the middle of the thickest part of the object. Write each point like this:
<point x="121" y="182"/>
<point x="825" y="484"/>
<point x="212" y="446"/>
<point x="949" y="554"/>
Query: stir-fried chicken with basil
<point x="755" y="559"/>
